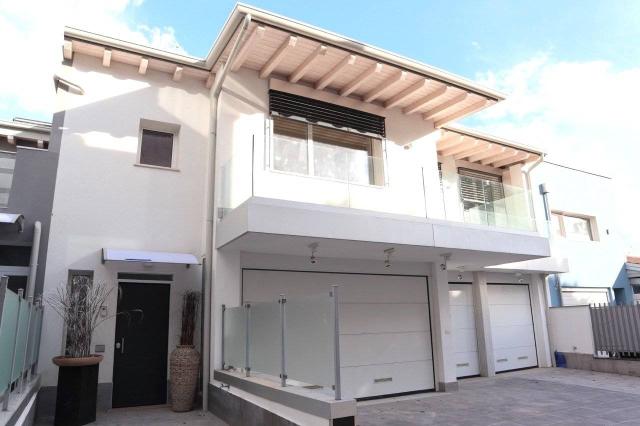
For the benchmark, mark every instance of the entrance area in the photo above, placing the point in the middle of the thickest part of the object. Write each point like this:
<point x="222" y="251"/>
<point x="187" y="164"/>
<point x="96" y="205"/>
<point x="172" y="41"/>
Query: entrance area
<point x="141" y="342"/>
<point x="385" y="332"/>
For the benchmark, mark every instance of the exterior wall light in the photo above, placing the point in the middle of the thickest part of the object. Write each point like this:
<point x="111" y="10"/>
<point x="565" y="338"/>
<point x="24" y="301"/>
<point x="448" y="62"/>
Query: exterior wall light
<point x="387" y="258"/>
<point x="314" y="249"/>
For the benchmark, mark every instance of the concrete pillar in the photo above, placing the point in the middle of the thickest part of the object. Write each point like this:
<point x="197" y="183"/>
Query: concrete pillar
<point x="483" y="324"/>
<point x="442" y="329"/>
<point x="539" y="309"/>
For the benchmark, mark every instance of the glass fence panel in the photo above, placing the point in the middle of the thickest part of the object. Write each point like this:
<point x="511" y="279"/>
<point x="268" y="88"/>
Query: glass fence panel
<point x="309" y="343"/>
<point x="21" y="340"/>
<point x="8" y="325"/>
<point x="36" y="339"/>
<point x="234" y="336"/>
<point x="265" y="350"/>
<point x="32" y="336"/>
<point x="492" y="203"/>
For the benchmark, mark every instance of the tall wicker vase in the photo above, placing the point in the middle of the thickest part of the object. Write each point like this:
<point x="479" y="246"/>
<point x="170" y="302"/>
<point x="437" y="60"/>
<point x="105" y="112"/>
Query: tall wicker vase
<point x="184" y="367"/>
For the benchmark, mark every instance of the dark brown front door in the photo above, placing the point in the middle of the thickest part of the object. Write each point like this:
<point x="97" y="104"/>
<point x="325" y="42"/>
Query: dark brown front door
<point x="141" y="345"/>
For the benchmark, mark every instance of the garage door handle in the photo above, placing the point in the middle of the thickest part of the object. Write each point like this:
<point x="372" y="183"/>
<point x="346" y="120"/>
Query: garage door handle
<point x="502" y="360"/>
<point x="464" y="364"/>
<point x="523" y="357"/>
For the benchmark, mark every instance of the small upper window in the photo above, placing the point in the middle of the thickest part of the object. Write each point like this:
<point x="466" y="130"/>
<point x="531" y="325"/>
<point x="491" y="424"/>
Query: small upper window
<point x="572" y="227"/>
<point x="156" y="148"/>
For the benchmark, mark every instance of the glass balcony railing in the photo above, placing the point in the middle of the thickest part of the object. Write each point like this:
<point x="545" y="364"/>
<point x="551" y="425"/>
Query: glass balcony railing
<point x="7" y="164"/>
<point x="374" y="184"/>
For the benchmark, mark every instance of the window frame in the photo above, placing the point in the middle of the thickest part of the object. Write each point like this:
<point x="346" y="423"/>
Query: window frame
<point x="158" y="126"/>
<point x="590" y="220"/>
<point x="270" y="158"/>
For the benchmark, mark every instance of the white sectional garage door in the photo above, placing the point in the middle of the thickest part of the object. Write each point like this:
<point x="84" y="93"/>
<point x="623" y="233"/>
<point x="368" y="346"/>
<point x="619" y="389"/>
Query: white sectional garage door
<point x="514" y="344"/>
<point x="385" y="338"/>
<point x="464" y="330"/>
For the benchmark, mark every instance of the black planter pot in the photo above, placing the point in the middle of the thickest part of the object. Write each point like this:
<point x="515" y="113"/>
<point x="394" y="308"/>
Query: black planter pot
<point x="77" y="391"/>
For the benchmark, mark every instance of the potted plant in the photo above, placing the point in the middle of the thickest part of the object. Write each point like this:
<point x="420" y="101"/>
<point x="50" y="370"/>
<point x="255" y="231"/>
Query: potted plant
<point x="184" y="364"/>
<point x="79" y="305"/>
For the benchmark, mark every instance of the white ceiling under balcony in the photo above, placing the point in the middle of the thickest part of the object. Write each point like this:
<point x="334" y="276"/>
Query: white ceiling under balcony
<point x="475" y="147"/>
<point x="356" y="71"/>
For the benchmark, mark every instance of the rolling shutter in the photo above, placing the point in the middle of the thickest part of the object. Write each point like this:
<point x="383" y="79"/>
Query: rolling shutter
<point x="478" y="188"/>
<point x="314" y="111"/>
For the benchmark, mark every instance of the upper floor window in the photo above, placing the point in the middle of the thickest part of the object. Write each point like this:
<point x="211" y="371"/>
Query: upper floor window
<point x="310" y="149"/>
<point x="482" y="196"/>
<point x="572" y="227"/>
<point x="157" y="147"/>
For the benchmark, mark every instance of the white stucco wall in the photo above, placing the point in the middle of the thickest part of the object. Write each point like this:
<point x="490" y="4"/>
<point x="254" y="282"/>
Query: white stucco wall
<point x="570" y="329"/>
<point x="103" y="200"/>
<point x="597" y="263"/>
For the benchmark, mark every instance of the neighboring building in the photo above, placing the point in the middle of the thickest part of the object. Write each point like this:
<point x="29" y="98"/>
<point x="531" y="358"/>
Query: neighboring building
<point x="27" y="180"/>
<point x="319" y="161"/>
<point x="633" y="272"/>
<point x="582" y="229"/>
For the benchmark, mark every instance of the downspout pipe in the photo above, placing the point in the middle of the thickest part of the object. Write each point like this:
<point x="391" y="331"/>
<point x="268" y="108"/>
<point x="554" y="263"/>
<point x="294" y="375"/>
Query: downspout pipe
<point x="33" y="261"/>
<point x="214" y="97"/>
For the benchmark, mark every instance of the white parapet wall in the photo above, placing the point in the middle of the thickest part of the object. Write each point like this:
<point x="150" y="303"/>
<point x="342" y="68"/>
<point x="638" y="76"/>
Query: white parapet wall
<point x="570" y="330"/>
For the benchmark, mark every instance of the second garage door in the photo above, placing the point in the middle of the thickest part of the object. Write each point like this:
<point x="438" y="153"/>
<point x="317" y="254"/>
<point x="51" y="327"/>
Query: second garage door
<point x="514" y="344"/>
<point x="385" y="338"/>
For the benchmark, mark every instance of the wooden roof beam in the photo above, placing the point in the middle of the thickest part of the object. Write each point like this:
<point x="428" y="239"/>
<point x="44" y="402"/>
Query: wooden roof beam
<point x="67" y="50"/>
<point x="397" y="77"/>
<point x="357" y="82"/>
<point x="256" y="34"/>
<point x="416" y="105"/>
<point x="307" y="63"/>
<point x="522" y="156"/>
<point x="272" y="63"/>
<point x="333" y="73"/>
<point x="449" y="142"/>
<point x="144" y="64"/>
<point x="445" y="106"/>
<point x="475" y="150"/>
<point x="496" y="149"/>
<point x="509" y="152"/>
<point x="399" y="97"/>
<point x="461" y="148"/>
<point x="106" y="58"/>
<point x="464" y="111"/>
<point x="177" y="74"/>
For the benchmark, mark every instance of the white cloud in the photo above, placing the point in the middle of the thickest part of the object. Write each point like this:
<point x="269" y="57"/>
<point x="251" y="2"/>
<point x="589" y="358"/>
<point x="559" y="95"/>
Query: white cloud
<point x="32" y="32"/>
<point x="583" y="114"/>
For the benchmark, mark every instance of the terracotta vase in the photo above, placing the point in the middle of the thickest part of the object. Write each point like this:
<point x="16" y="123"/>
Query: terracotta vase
<point x="184" y="367"/>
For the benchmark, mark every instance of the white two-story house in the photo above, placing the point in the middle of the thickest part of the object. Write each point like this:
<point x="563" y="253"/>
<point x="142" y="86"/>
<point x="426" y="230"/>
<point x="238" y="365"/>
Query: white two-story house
<point x="288" y="161"/>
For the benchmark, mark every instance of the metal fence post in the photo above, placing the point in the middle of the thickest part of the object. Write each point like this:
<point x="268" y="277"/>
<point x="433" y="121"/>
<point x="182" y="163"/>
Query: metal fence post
<point x="224" y="308"/>
<point x="283" y="341"/>
<point x="26" y="345"/>
<point x="40" y="321"/>
<point x="3" y="290"/>
<point x="5" y="403"/>
<point x="336" y="342"/>
<point x="247" y="340"/>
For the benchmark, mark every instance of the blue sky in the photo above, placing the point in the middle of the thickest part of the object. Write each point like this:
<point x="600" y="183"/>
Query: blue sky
<point x="464" y="37"/>
<point x="570" y="69"/>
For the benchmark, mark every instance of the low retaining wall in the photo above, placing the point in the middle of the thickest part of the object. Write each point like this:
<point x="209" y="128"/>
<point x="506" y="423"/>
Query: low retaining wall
<point x="602" y="365"/>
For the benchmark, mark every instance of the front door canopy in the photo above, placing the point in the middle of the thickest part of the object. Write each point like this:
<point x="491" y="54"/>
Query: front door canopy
<point x="145" y="256"/>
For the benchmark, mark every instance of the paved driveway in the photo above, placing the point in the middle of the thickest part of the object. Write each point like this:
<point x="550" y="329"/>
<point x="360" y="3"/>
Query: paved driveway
<point x="533" y="397"/>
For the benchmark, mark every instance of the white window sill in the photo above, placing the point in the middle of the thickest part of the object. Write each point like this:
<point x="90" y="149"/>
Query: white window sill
<point x="151" y="166"/>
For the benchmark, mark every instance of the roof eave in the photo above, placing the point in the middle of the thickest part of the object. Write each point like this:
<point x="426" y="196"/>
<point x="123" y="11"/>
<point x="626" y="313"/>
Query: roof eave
<point x="357" y="47"/>
<point x="457" y="128"/>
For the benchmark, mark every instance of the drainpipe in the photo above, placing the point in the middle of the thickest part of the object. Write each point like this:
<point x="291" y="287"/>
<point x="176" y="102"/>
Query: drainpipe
<point x="547" y="212"/>
<point x="33" y="261"/>
<point x="214" y="96"/>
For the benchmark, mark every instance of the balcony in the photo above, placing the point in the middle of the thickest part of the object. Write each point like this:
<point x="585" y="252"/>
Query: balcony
<point x="355" y="180"/>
